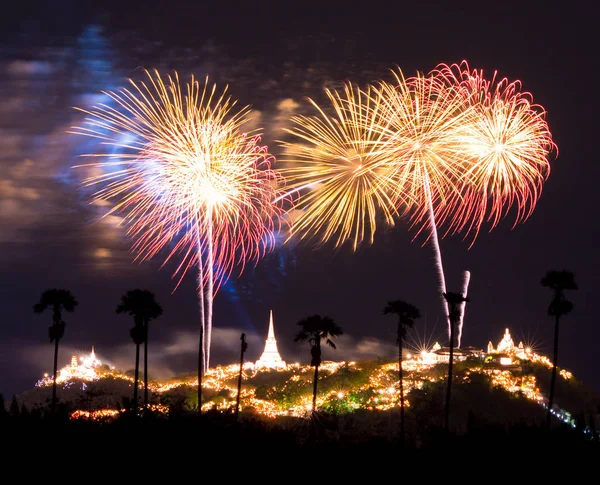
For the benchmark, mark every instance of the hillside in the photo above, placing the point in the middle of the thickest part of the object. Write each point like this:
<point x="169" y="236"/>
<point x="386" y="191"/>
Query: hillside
<point x="484" y="390"/>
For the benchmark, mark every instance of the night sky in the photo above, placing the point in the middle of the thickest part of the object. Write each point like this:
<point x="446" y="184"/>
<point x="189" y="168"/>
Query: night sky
<point x="56" y="55"/>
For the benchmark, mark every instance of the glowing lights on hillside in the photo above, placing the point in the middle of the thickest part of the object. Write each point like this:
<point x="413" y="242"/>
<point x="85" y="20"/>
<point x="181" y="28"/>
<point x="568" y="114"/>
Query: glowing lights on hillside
<point x="83" y="367"/>
<point x="378" y="392"/>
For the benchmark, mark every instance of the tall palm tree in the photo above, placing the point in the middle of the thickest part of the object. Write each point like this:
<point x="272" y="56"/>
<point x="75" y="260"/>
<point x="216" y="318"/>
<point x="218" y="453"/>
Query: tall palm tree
<point x="407" y="314"/>
<point x="454" y="301"/>
<point x="314" y="329"/>
<point x="142" y="305"/>
<point x="58" y="300"/>
<point x="244" y="347"/>
<point x="558" y="281"/>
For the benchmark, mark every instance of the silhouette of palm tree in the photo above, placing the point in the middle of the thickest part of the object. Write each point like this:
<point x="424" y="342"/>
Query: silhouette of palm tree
<point x="558" y="281"/>
<point x="407" y="314"/>
<point x="142" y="305"/>
<point x="314" y="329"/>
<point x="454" y="301"/>
<point x="243" y="348"/>
<point x="58" y="300"/>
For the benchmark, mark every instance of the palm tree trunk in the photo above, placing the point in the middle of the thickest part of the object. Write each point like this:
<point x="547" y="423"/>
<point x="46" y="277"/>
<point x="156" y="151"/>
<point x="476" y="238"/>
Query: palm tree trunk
<point x="313" y="417"/>
<point x="400" y="376"/>
<point x="136" y="377"/>
<point x="53" y="405"/>
<point x="146" y="366"/>
<point x="315" y="382"/>
<point x="553" y="380"/>
<point x="449" y="384"/>
<point x="239" y="385"/>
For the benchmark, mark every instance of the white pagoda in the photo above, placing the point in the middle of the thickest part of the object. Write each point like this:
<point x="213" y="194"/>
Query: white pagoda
<point x="270" y="357"/>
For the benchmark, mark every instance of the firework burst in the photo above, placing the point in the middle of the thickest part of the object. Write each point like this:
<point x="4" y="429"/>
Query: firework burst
<point x="420" y="114"/>
<point x="186" y="178"/>
<point x="338" y="164"/>
<point x="467" y="150"/>
<point x="502" y="149"/>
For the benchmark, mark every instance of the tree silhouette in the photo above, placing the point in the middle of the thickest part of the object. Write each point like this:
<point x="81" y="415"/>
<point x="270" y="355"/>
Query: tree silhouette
<point x="314" y="329"/>
<point x="58" y="300"/>
<point x="558" y="281"/>
<point x="244" y="347"/>
<point x="142" y="305"/>
<point x="454" y="301"/>
<point x="407" y="314"/>
<point x="14" y="407"/>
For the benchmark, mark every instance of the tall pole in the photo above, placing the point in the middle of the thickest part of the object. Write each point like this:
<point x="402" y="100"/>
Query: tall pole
<point x="244" y="347"/>
<point x="449" y="384"/>
<point x="553" y="381"/>
<point x="400" y="379"/>
<point x="146" y="364"/>
<point x="136" y="377"/>
<point x="53" y="405"/>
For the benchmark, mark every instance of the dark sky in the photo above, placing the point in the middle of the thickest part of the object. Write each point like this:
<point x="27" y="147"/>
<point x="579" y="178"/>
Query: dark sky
<point x="56" y="55"/>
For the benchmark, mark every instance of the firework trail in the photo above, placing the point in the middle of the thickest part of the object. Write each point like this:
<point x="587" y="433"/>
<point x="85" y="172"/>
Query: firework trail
<point x="186" y="178"/>
<point x="464" y="292"/>
<point x="338" y="167"/>
<point x="420" y="115"/>
<point x="467" y="149"/>
<point x="438" y="254"/>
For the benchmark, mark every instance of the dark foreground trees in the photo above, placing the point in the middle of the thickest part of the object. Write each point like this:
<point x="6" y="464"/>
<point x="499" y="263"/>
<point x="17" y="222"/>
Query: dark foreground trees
<point x="57" y="300"/>
<point x="314" y="329"/>
<point x="142" y="305"/>
<point x="558" y="281"/>
<point x="455" y="301"/>
<point x="406" y="314"/>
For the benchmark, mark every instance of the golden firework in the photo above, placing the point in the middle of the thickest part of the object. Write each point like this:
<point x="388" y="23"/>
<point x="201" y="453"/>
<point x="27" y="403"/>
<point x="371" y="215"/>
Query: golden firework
<point x="339" y="164"/>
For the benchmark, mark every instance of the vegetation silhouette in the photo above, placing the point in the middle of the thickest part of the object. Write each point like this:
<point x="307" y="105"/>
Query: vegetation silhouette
<point x="486" y="417"/>
<point x="454" y="301"/>
<point x="407" y="314"/>
<point x="58" y="300"/>
<point x="558" y="281"/>
<point x="142" y="305"/>
<point x="244" y="347"/>
<point x="314" y="329"/>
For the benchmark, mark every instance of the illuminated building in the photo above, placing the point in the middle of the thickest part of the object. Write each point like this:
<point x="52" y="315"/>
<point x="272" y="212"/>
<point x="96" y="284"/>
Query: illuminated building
<point x="439" y="354"/>
<point x="270" y="357"/>
<point x="506" y="352"/>
<point x="86" y="368"/>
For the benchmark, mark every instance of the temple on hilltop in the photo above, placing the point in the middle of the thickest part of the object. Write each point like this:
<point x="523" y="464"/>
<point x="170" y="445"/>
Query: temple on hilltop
<point x="84" y="367"/>
<point x="508" y="350"/>
<point x="439" y="354"/>
<point x="270" y="357"/>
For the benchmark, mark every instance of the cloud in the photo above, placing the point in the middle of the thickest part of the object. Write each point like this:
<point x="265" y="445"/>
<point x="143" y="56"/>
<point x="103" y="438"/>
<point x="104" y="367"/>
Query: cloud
<point x="287" y="106"/>
<point x="28" y="68"/>
<point x="350" y="348"/>
<point x="254" y="122"/>
<point x="281" y="118"/>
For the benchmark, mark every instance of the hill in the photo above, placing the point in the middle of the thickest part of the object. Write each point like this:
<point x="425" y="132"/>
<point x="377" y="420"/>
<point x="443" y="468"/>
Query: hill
<point x="484" y="391"/>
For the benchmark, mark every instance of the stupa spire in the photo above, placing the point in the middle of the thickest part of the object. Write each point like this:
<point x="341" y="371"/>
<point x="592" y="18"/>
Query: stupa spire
<point x="271" y="334"/>
<point x="270" y="357"/>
